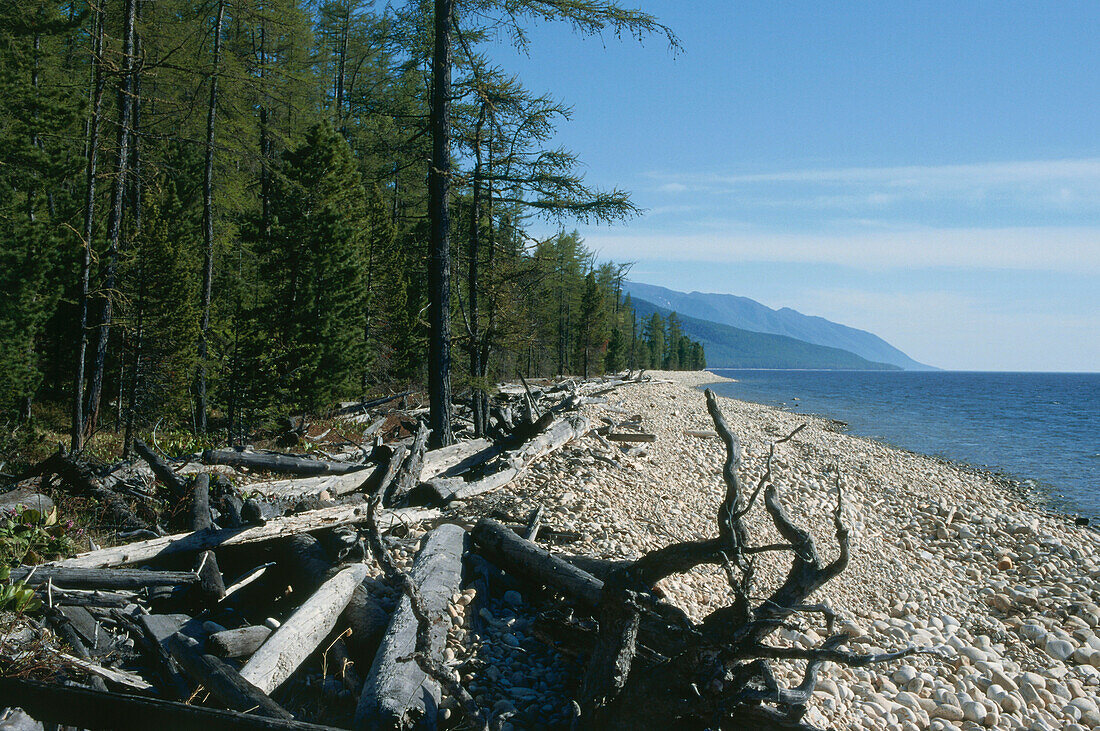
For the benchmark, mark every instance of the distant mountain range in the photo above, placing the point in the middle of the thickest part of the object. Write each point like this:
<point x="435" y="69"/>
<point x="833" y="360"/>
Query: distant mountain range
<point x="738" y="332"/>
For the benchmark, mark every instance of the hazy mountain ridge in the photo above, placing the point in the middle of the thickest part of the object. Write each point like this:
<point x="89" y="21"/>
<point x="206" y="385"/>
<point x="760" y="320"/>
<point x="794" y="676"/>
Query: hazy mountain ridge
<point x="748" y="314"/>
<point x="731" y="347"/>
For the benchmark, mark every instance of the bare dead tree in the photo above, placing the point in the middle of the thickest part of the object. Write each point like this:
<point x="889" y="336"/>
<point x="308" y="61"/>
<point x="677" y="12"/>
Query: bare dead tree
<point x="717" y="673"/>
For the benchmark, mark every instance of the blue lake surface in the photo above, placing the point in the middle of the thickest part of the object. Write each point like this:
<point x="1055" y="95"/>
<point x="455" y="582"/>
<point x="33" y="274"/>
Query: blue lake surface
<point x="1041" y="428"/>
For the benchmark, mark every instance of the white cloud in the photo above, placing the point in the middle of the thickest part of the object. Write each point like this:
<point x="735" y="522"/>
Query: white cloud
<point x="1053" y="249"/>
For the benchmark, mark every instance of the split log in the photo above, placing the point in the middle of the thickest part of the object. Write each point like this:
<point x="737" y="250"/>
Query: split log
<point x="527" y="560"/>
<point x="282" y="463"/>
<point x="175" y="484"/>
<point x="397" y="693"/>
<point x="84" y="708"/>
<point x="81" y="578"/>
<point x="182" y="543"/>
<point x="211" y="583"/>
<point x="303" y="631"/>
<point x="240" y="642"/>
<point x="225" y="683"/>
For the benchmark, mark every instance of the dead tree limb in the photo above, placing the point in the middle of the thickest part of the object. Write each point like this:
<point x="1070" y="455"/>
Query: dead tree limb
<point x="173" y="482"/>
<point x="283" y="463"/>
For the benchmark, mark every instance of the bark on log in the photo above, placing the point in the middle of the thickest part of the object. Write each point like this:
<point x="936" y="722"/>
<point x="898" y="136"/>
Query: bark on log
<point x="282" y="463"/>
<point x="303" y="631"/>
<point x="182" y="543"/>
<point x="524" y="559"/>
<point x="396" y="692"/>
<point x="221" y="679"/>
<point x="409" y="475"/>
<point x="368" y="614"/>
<point x="240" y="642"/>
<point x="80" y="578"/>
<point x="164" y="473"/>
<point x="84" y="708"/>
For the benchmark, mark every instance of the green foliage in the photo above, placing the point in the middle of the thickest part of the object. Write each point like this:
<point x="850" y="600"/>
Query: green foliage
<point x="27" y="536"/>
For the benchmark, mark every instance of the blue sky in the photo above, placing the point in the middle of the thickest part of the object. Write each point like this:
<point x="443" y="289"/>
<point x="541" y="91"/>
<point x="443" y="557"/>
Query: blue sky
<point x="927" y="171"/>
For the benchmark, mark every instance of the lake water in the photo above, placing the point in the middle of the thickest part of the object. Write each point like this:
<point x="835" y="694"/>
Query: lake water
<point x="1039" y="428"/>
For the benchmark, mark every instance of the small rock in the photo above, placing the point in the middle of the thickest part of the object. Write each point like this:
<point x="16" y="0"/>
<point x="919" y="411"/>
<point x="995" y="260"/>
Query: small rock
<point x="1004" y="563"/>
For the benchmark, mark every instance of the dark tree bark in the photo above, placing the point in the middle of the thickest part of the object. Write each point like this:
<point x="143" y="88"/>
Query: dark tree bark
<point x="91" y="155"/>
<point x="114" y="218"/>
<point x="479" y="400"/>
<point x="439" y="274"/>
<point x="208" y="225"/>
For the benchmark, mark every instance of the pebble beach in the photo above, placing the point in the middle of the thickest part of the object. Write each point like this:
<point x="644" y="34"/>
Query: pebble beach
<point x="942" y="557"/>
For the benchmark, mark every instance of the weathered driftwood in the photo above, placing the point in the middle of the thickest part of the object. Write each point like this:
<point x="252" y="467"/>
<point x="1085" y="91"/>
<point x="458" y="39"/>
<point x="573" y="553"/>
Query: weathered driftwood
<point x="513" y="464"/>
<point x="397" y="693"/>
<point x="155" y="630"/>
<point x="624" y="688"/>
<point x="211" y="583"/>
<point x="97" y="640"/>
<point x="181" y="543"/>
<point x="303" y="631"/>
<point x="530" y="561"/>
<point x="631" y="437"/>
<point x="452" y="460"/>
<point x="173" y="482"/>
<point x="51" y="595"/>
<point x="221" y="679"/>
<point x="84" y="708"/>
<point x="80" y="578"/>
<point x="407" y="477"/>
<point x="118" y="677"/>
<point x="241" y="642"/>
<point x="282" y="463"/>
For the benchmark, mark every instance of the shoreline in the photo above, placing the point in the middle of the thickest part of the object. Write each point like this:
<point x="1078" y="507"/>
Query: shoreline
<point x="1038" y="494"/>
<point x="942" y="556"/>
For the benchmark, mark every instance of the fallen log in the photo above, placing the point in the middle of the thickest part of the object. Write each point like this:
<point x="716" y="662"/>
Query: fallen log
<point x="241" y="642"/>
<point x="283" y="463"/>
<point x="631" y="437"/>
<point x="85" y="708"/>
<point x="182" y="543"/>
<point x="225" y="683"/>
<point x="447" y="489"/>
<point x="397" y="693"/>
<point x="164" y="473"/>
<point x="81" y="578"/>
<point x="524" y="559"/>
<point x="118" y="677"/>
<point x="368" y="615"/>
<point x="51" y="595"/>
<point x="303" y="631"/>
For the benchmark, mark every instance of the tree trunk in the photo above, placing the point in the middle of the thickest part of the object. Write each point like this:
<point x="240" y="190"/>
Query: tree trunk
<point x="208" y="224"/>
<point x="439" y="274"/>
<point x="136" y="204"/>
<point x="91" y="154"/>
<point x="478" y="402"/>
<point x="114" y="218"/>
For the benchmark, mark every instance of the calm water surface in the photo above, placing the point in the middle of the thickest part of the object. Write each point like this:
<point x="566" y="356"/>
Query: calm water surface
<point x="1041" y="428"/>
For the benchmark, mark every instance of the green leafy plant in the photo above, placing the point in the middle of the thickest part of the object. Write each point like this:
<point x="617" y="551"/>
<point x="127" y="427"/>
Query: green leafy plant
<point x="29" y="536"/>
<point x="17" y="596"/>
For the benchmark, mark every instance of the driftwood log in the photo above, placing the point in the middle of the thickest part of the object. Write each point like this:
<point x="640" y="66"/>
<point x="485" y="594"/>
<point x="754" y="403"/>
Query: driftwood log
<point x="183" y="543"/>
<point x="241" y="642"/>
<point x="80" y="578"/>
<point x="303" y="631"/>
<point x="211" y="583"/>
<point x="722" y="674"/>
<point x="283" y="463"/>
<point x="397" y="692"/>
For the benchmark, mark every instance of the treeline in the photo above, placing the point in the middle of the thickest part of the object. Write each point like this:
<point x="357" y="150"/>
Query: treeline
<point x="218" y="212"/>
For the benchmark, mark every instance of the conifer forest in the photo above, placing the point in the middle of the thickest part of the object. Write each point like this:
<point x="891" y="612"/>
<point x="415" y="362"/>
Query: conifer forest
<point x="218" y="213"/>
